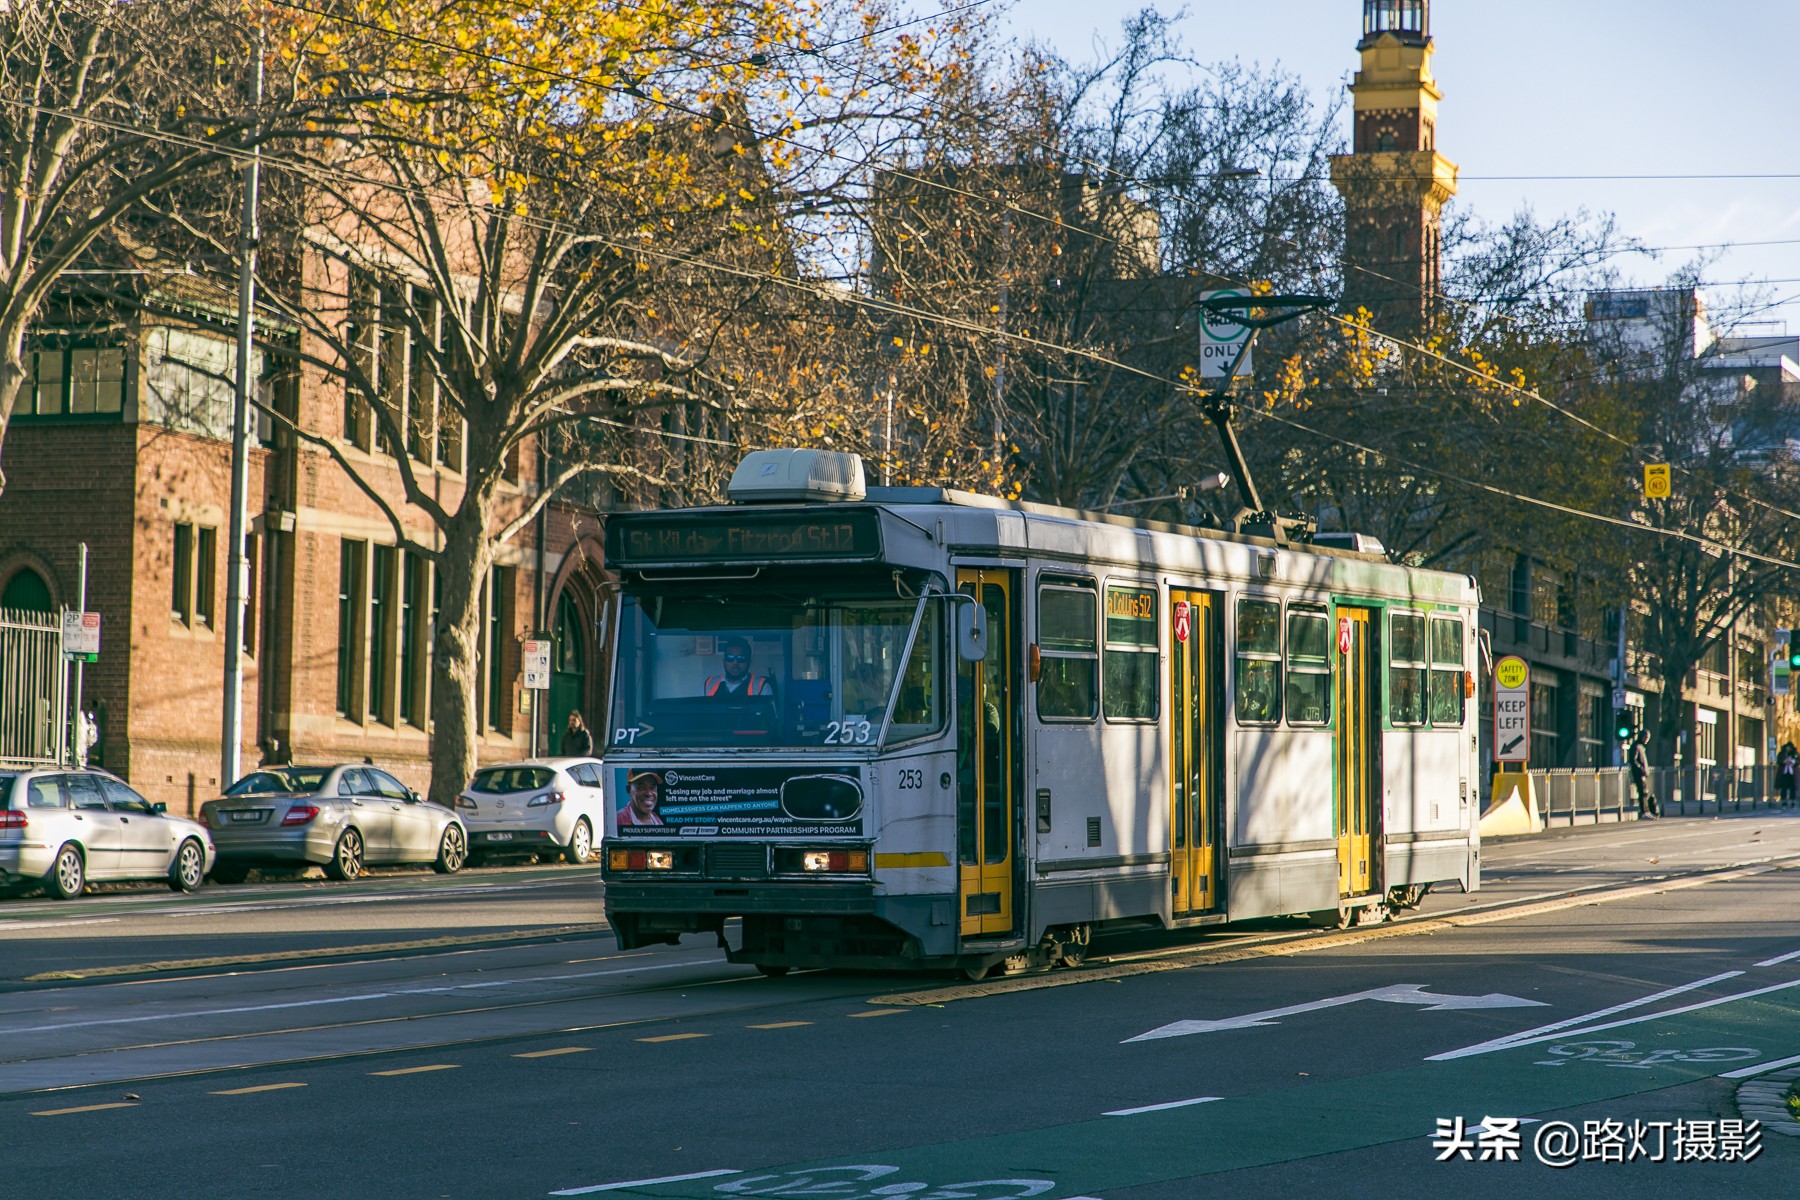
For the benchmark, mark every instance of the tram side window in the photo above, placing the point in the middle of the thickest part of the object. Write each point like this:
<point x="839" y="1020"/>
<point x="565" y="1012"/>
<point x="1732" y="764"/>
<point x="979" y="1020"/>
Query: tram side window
<point x="1309" y="668"/>
<point x="1406" y="668"/>
<point x="1446" y="672"/>
<point x="1130" y="691"/>
<point x="1069" y="654"/>
<point x="1258" y="697"/>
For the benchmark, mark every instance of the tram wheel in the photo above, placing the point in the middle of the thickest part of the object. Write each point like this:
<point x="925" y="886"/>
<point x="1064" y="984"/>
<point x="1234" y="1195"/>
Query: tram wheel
<point x="977" y="974"/>
<point x="1073" y="956"/>
<point x="772" y="970"/>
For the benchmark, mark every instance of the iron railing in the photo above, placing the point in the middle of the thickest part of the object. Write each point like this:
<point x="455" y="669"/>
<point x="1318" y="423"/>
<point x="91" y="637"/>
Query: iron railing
<point x="33" y="688"/>
<point x="1571" y="795"/>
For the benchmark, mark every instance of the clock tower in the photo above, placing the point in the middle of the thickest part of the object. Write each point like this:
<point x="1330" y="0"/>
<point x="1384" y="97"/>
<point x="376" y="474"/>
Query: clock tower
<point x="1394" y="182"/>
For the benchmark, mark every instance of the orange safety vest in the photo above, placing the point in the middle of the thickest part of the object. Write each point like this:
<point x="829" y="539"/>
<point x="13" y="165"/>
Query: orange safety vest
<point x="757" y="685"/>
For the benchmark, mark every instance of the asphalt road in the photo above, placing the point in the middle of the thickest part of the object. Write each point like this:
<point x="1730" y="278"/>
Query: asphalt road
<point x="1652" y="962"/>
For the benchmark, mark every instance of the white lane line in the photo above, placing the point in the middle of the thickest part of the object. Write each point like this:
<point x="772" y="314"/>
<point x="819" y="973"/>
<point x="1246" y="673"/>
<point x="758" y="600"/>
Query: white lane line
<point x="9" y="926"/>
<point x="249" y="1008"/>
<point x="1132" y="1112"/>
<point x="1673" y="1012"/>
<point x="631" y="1183"/>
<point x="1501" y="1043"/>
<point x="1759" y="1068"/>
<point x="1775" y="962"/>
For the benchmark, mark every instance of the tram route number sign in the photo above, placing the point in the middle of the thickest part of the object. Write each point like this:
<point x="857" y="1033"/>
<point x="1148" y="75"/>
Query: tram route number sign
<point x="537" y="664"/>
<point x="1512" y="710"/>
<point x="1184" y="620"/>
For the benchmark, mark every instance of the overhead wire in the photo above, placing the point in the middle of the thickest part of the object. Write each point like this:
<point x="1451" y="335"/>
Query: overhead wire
<point x="895" y="308"/>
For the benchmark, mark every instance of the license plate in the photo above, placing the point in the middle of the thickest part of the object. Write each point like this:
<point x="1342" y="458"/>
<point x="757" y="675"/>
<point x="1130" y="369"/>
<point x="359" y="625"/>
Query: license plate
<point x="499" y="837"/>
<point x="246" y="817"/>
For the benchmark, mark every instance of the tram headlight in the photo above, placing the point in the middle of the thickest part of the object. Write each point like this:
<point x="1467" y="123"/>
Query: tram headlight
<point x="837" y="862"/>
<point x="640" y="860"/>
<point x="659" y="860"/>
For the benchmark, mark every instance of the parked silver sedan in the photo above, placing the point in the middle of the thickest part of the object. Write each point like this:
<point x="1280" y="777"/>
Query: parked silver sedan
<point x="541" y="806"/>
<point x="65" y="829"/>
<point x="345" y="818"/>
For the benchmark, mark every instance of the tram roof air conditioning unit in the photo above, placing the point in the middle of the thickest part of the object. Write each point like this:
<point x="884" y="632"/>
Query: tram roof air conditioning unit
<point x="1362" y="543"/>
<point x="777" y="476"/>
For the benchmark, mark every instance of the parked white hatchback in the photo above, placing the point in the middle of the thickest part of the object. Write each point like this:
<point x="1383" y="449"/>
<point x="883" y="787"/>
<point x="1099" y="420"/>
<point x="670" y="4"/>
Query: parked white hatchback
<point x="65" y="828"/>
<point x="542" y="806"/>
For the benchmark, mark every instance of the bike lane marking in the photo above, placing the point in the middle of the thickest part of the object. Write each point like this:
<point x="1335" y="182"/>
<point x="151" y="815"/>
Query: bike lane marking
<point x="1166" y="1144"/>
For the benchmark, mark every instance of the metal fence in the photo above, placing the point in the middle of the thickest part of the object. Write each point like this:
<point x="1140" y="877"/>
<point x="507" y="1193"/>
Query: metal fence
<point x="33" y="688"/>
<point x="1569" y="796"/>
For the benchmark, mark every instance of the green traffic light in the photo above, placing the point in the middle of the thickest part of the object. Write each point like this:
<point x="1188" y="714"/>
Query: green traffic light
<point x="1794" y="657"/>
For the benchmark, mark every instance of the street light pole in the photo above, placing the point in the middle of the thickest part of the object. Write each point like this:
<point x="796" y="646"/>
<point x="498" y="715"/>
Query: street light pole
<point x="238" y="566"/>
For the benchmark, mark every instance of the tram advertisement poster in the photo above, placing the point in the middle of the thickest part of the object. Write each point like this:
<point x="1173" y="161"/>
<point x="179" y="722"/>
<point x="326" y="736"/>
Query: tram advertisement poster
<point x="656" y="801"/>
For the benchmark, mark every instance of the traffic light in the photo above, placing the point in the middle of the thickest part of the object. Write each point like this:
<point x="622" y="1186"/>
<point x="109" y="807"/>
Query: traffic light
<point x="1624" y="724"/>
<point x="1794" y="655"/>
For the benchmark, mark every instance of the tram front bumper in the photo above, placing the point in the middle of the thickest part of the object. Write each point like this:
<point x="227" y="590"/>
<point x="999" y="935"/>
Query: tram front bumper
<point x="735" y="900"/>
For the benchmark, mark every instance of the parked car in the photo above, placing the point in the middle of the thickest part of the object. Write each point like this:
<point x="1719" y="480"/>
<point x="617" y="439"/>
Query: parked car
<point x="66" y="829"/>
<point x="542" y="806"/>
<point x="344" y="818"/>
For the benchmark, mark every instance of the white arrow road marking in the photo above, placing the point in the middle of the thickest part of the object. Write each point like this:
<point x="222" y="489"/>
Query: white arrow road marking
<point x="1399" y="993"/>
<point x="1501" y="1043"/>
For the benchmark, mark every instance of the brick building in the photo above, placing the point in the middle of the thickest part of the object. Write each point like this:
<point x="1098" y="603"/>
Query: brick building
<point x="124" y="444"/>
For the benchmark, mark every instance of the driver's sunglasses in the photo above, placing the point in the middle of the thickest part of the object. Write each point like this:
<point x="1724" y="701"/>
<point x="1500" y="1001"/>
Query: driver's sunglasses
<point x="737" y="658"/>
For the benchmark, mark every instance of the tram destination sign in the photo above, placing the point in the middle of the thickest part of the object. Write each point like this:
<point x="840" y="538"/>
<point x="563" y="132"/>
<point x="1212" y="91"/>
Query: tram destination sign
<point x="641" y="540"/>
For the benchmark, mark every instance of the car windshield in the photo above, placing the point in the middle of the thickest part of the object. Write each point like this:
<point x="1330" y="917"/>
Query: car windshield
<point x="777" y="671"/>
<point x="511" y="779"/>
<point x="282" y="781"/>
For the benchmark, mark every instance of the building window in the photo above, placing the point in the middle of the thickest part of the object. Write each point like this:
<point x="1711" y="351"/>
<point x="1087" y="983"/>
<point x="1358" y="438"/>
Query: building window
<point x="1546" y="741"/>
<point x="381" y="639"/>
<point x="190" y="383"/>
<point x="206" y="558"/>
<point x="1406" y="668"/>
<point x="181" y="603"/>
<point x="1129" y="690"/>
<point x="362" y="337"/>
<point x="194" y="564"/>
<point x="1258" y="698"/>
<point x="412" y="641"/>
<point x="497" y="609"/>
<point x="1591" y="726"/>
<point x="1069" y="654"/>
<point x="68" y="378"/>
<point x="350" y="640"/>
<point x="1308" y="667"/>
<point x="252" y="582"/>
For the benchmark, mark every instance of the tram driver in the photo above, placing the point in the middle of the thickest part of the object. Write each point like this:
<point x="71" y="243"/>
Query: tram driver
<point x="738" y="683"/>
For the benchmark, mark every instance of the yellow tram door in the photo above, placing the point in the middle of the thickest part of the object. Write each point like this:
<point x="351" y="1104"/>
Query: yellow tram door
<point x="1357" y="750"/>
<point x="985" y="799"/>
<point x="1194" y="752"/>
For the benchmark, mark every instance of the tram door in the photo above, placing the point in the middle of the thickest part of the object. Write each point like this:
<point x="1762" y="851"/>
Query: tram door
<point x="1195" y="688"/>
<point x="985" y="787"/>
<point x="1357" y="752"/>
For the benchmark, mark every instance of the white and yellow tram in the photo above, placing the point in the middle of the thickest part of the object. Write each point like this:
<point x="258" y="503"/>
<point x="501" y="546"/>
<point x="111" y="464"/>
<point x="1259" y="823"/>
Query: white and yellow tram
<point x="920" y="727"/>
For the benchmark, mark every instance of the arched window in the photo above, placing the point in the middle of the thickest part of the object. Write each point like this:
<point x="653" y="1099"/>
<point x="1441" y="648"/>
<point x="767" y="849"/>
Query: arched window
<point x="1386" y="141"/>
<point x="26" y="590"/>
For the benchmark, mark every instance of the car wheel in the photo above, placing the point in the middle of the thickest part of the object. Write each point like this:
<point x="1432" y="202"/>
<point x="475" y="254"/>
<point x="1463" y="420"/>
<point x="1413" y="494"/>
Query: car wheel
<point x="346" y="857"/>
<point x="229" y="873"/>
<point x="581" y="843"/>
<point x="68" y="874"/>
<point x="188" y="870"/>
<point x="452" y="851"/>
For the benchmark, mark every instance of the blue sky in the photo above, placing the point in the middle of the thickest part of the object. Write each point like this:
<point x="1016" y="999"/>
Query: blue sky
<point x="1537" y="93"/>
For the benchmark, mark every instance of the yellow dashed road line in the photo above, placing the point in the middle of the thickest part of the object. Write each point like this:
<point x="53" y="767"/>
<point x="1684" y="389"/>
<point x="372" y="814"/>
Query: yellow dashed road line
<point x="266" y="1087"/>
<point x="780" y="1025"/>
<point x="879" y="1012"/>
<point x="419" y="1070"/>
<point x="554" y="1053"/>
<point x="86" y="1108"/>
<point x="675" y="1037"/>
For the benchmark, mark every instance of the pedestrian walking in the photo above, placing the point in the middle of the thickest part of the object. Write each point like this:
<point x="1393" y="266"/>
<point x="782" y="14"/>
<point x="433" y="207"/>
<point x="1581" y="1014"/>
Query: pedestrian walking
<point x="577" y="742"/>
<point x="1647" y="807"/>
<point x="1785" y="764"/>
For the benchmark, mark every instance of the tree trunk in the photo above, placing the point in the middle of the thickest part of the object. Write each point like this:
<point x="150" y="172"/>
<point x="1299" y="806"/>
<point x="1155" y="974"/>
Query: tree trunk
<point x="461" y="570"/>
<point x="12" y="381"/>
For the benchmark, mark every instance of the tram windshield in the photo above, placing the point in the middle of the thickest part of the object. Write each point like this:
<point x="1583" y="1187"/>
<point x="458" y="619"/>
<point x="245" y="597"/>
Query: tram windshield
<point x="778" y="671"/>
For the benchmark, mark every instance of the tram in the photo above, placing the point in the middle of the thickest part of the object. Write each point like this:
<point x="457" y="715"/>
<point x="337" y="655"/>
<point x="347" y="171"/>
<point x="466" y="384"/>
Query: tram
<point x="918" y="727"/>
